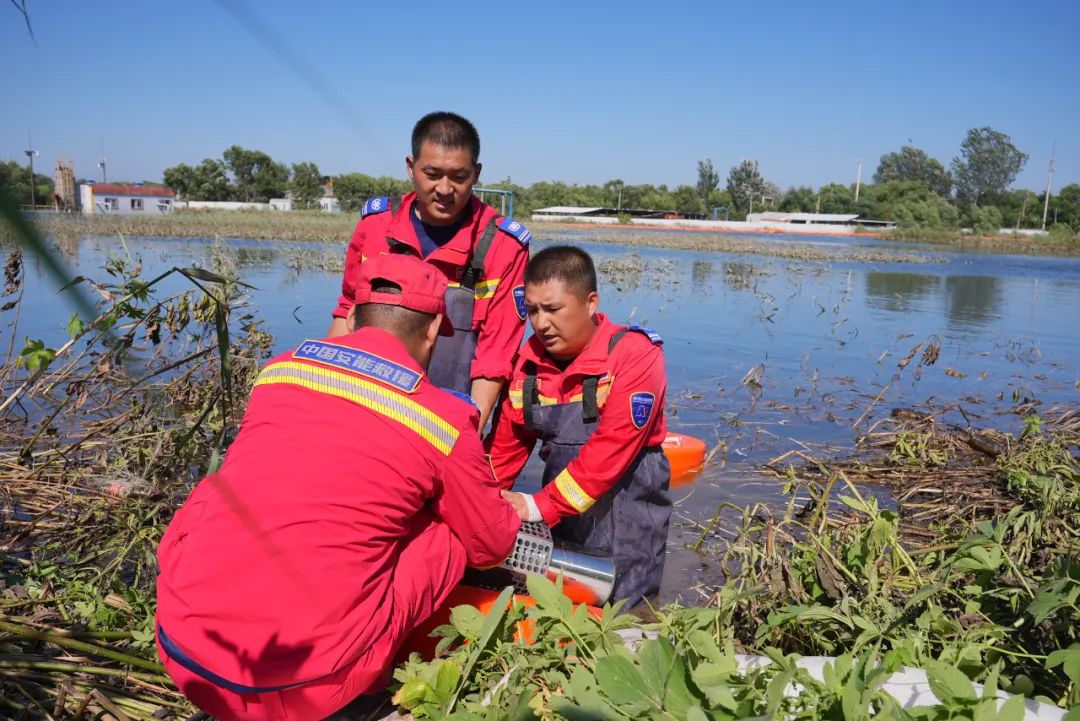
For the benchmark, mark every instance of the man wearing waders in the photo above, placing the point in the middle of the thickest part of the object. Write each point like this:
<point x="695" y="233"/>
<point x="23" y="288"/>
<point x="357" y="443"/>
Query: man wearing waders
<point x="592" y="393"/>
<point x="482" y="255"/>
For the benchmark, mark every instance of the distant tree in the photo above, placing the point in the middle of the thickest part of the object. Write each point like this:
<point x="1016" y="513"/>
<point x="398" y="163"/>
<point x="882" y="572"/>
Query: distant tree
<point x="986" y="219"/>
<point x="707" y="179"/>
<point x="352" y="190"/>
<point x="257" y="177"/>
<point x="799" y="200"/>
<point x="181" y="178"/>
<point x="16" y="178"/>
<point x="911" y="204"/>
<point x="306" y="185"/>
<point x="719" y="199"/>
<point x="836" y="198"/>
<point x="987" y="165"/>
<point x="745" y="185"/>
<point x="1065" y="207"/>
<point x="687" y="200"/>
<point x="914" y="164"/>
<point x="210" y="182"/>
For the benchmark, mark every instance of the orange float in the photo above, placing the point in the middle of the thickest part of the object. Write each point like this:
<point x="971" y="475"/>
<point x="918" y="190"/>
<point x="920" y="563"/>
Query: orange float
<point x="420" y="641"/>
<point x="686" y="455"/>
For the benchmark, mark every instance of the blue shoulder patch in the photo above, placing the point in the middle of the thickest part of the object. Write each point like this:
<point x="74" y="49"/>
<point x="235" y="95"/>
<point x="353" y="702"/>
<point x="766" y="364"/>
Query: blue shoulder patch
<point x="462" y="396"/>
<point x="641" y="406"/>
<point x="516" y="229"/>
<point x="650" y="334"/>
<point x="374" y="206"/>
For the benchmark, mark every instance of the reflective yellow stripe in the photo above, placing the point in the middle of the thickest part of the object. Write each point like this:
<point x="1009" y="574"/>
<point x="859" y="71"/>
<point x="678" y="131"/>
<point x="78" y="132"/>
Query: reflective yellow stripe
<point x="516" y="399"/>
<point x="486" y="288"/>
<point x="384" y="401"/>
<point x="573" y="493"/>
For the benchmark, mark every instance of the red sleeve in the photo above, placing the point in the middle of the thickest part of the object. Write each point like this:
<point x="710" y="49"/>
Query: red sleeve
<point x="509" y="444"/>
<point x="615" y="444"/>
<point x="354" y="256"/>
<point x="470" y="504"/>
<point x="503" y="327"/>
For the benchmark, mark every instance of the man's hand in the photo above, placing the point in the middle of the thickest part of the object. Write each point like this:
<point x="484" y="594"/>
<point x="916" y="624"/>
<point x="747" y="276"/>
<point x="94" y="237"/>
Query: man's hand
<point x="485" y="394"/>
<point x="524" y="505"/>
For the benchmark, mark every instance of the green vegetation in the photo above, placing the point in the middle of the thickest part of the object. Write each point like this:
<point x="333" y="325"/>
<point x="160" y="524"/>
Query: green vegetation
<point x="16" y="178"/>
<point x="974" y="595"/>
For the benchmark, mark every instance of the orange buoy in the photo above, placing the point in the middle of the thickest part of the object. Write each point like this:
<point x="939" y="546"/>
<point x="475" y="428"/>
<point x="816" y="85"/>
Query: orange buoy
<point x="686" y="455"/>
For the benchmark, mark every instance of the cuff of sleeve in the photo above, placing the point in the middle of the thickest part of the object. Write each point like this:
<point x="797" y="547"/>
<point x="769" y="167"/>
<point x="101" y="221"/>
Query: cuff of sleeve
<point x="534" y="510"/>
<point x="548" y="512"/>
<point x="488" y="371"/>
<point x="342" y="310"/>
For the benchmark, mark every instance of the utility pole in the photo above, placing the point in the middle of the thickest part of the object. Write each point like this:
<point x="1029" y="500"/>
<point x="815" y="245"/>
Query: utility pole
<point x="101" y="163"/>
<point x="619" y="206"/>
<point x="30" y="154"/>
<point x="858" y="181"/>
<point x="1049" y="180"/>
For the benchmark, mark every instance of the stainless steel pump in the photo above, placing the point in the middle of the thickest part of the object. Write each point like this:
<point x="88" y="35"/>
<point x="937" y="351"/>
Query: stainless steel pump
<point x="586" y="577"/>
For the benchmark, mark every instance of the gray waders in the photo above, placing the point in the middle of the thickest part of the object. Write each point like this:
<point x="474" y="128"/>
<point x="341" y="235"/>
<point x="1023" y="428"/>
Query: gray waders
<point x="630" y="522"/>
<point x="451" y="361"/>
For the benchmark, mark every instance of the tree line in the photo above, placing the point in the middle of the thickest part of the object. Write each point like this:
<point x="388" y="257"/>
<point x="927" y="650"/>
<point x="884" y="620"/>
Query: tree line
<point x="908" y="186"/>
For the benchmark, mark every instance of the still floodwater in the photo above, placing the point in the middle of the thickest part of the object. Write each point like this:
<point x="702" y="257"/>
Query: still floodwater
<point x="764" y="355"/>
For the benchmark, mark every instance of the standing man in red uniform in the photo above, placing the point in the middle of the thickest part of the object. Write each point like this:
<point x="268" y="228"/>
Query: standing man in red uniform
<point x="481" y="254"/>
<point x="592" y="393"/>
<point x="347" y="509"/>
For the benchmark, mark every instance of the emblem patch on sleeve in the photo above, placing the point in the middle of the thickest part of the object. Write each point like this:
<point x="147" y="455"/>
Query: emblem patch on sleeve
<point x="519" y="301"/>
<point x="641" y="407"/>
<point x="516" y="229"/>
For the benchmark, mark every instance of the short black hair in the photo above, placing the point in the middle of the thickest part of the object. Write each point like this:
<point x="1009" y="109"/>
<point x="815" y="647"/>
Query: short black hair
<point x="402" y="322"/>
<point x="447" y="130"/>
<point x="567" y="263"/>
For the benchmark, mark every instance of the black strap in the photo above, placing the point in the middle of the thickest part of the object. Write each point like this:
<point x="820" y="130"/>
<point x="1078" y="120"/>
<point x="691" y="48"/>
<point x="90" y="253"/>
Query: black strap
<point x="528" y="395"/>
<point x="590" y="410"/>
<point x="615" y="339"/>
<point x="472" y="274"/>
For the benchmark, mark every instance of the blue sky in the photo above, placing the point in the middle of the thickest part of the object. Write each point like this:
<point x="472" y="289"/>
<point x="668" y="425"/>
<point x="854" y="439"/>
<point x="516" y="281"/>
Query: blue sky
<point x="581" y="92"/>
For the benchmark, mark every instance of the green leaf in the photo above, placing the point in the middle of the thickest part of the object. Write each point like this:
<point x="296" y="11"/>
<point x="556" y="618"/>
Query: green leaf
<point x="447" y="680"/>
<point x="694" y="713"/>
<point x="1072" y="715"/>
<point x="35" y="356"/>
<point x="210" y="277"/>
<point x="948" y="683"/>
<point x="1012" y="710"/>
<point x="1069" y="660"/>
<point x="704" y="645"/>
<point x="656" y="657"/>
<point x="75" y="326"/>
<point x="467" y="620"/>
<point x="678" y="697"/>
<point x="621" y="682"/>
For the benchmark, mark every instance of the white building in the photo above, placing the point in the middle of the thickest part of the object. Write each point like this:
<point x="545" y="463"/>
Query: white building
<point x="125" y="199"/>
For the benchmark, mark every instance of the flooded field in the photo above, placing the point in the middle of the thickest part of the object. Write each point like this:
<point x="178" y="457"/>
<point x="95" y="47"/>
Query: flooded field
<point x="765" y="354"/>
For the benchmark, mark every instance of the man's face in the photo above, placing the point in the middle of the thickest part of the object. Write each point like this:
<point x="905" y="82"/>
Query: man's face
<point x="443" y="179"/>
<point x="561" y="317"/>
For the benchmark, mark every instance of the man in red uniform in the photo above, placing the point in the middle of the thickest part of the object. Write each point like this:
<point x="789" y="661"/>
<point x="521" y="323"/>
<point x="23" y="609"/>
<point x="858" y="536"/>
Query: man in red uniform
<point x="481" y="254"/>
<point x="348" y="507"/>
<point x="593" y="394"/>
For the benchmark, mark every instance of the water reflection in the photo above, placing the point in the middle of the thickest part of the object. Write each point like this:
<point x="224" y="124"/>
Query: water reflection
<point x="969" y="302"/>
<point x="739" y="275"/>
<point x="897" y="291"/>
<point x="973" y="300"/>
